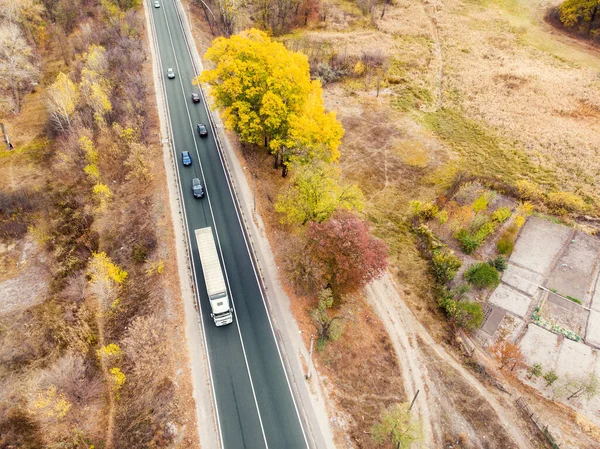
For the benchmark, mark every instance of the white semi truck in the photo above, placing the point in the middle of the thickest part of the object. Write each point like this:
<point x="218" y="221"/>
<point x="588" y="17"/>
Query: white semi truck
<point x="221" y="310"/>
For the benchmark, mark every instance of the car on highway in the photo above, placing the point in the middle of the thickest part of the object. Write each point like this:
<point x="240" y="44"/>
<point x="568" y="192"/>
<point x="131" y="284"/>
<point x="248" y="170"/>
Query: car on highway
<point x="170" y="73"/>
<point x="202" y="131"/>
<point x="186" y="158"/>
<point x="197" y="188"/>
<point x="196" y="97"/>
<point x="157" y="4"/>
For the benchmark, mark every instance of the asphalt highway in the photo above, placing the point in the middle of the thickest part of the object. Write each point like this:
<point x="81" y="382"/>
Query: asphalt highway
<point x="255" y="405"/>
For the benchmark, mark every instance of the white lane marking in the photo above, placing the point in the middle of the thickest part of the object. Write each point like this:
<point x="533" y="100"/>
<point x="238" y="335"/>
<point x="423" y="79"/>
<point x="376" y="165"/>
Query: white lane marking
<point x="196" y="290"/>
<point x="215" y="227"/>
<point x="248" y="248"/>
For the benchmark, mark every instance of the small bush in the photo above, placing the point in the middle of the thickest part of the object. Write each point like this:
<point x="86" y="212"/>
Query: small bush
<point x="506" y="243"/>
<point x="550" y="377"/>
<point x="529" y="190"/>
<point x="562" y="203"/>
<point x="468" y="242"/>
<point x="428" y="238"/>
<point x="442" y="217"/>
<point x="462" y="314"/>
<point x="482" y="275"/>
<point x="485" y="231"/>
<point x="481" y="203"/>
<point x="499" y="263"/>
<point x="575" y="300"/>
<point x="425" y="211"/>
<point x="501" y="214"/>
<point x="479" y="221"/>
<point x="445" y="266"/>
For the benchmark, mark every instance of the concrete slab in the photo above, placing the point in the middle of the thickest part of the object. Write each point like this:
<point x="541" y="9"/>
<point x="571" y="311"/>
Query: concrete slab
<point x="510" y="300"/>
<point x="522" y="279"/>
<point x="592" y="335"/>
<point x="573" y="272"/>
<point x="540" y="346"/>
<point x="539" y="243"/>
<point x="574" y="358"/>
<point x="493" y="321"/>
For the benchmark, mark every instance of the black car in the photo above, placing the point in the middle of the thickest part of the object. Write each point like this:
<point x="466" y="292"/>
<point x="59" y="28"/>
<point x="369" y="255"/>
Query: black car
<point x="202" y="131"/>
<point x="186" y="158"/>
<point x="197" y="188"/>
<point x="196" y="97"/>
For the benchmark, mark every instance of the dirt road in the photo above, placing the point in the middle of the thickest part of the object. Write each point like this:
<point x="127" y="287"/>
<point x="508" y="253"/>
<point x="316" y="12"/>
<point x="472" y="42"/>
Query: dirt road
<point x="429" y="370"/>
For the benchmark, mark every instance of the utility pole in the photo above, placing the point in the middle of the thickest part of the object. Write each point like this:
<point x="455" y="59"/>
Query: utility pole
<point x="413" y="401"/>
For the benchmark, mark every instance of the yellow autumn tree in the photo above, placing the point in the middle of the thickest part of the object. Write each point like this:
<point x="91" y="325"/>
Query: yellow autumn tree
<point x="106" y="278"/>
<point x="91" y="157"/>
<point x="50" y="403"/>
<point x="314" y="133"/>
<point x="63" y="96"/>
<point x="268" y="98"/>
<point x="94" y="84"/>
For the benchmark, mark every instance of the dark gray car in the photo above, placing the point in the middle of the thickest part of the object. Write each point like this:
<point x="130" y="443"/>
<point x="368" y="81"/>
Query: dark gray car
<point x="197" y="188"/>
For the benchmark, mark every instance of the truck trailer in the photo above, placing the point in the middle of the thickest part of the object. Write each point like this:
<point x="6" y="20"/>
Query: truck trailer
<point x="221" y="310"/>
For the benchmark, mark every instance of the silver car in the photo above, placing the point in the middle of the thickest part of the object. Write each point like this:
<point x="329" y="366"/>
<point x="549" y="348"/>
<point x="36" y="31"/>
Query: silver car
<point x="197" y="188"/>
<point x="170" y="73"/>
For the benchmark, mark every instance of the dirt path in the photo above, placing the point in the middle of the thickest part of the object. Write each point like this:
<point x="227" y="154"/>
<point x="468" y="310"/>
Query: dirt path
<point x="431" y="9"/>
<point x="406" y="333"/>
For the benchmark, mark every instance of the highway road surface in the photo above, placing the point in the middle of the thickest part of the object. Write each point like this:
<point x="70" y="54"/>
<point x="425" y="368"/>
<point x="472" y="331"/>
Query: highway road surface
<point x="255" y="405"/>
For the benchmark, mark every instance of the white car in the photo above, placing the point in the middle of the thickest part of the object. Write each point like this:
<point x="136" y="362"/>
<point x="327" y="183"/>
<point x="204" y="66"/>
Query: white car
<point x="170" y="73"/>
<point x="157" y="4"/>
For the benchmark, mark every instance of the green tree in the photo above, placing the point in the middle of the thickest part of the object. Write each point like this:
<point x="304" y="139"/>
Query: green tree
<point x="460" y="312"/>
<point x="535" y="370"/>
<point x="314" y="193"/>
<point x="398" y="427"/>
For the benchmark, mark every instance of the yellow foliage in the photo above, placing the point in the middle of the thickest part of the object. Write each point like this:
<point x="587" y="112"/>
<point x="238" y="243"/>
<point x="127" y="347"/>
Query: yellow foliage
<point x="102" y="268"/>
<point x="562" y="202"/>
<point x="117" y="378"/>
<point x="313" y="134"/>
<point x="315" y="192"/>
<point x="359" y="68"/>
<point x="266" y="93"/>
<point x="95" y="59"/>
<point x="92" y="171"/>
<point x="87" y="146"/>
<point x="103" y="193"/>
<point x="529" y="190"/>
<point x="51" y="403"/>
<point x="156" y="267"/>
<point x="110" y="350"/>
<point x="520" y="220"/>
<point x="129" y="135"/>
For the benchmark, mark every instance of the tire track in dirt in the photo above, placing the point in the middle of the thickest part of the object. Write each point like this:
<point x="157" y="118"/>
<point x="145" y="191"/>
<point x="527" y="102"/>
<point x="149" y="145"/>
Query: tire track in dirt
<point x="406" y="334"/>
<point x="431" y="9"/>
